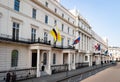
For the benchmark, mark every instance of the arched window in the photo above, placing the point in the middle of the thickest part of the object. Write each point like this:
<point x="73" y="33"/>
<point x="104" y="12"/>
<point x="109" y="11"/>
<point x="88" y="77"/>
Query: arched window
<point x="54" y="58"/>
<point x="14" y="58"/>
<point x="45" y="58"/>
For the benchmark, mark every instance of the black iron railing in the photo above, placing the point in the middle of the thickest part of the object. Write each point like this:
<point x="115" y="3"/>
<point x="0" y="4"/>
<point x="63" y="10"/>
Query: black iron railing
<point x="59" y="68"/>
<point x="23" y="40"/>
<point x="42" y="41"/>
<point x="81" y="65"/>
<point x="20" y="73"/>
<point x="63" y="47"/>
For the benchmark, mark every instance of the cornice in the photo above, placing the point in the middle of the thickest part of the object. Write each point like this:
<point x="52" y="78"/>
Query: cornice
<point x="52" y="12"/>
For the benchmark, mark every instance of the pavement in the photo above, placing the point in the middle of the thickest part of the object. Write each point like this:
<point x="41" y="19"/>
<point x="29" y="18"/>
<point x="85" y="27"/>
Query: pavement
<point x="60" y="76"/>
<point x="111" y="74"/>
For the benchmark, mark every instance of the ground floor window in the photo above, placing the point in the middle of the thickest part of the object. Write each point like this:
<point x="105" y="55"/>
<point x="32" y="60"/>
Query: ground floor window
<point x="45" y="58"/>
<point x="86" y="58"/>
<point x="14" y="58"/>
<point x="54" y="58"/>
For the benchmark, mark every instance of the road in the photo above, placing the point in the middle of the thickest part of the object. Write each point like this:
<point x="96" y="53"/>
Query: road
<point x="111" y="74"/>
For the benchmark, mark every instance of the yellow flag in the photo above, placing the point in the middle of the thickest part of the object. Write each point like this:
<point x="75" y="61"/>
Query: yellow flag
<point x="52" y="32"/>
<point x="58" y="34"/>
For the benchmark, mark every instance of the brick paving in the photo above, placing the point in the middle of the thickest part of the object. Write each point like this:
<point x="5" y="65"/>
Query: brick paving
<point x="111" y="74"/>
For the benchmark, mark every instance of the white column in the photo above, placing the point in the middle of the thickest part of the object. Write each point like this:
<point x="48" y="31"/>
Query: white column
<point x="88" y="44"/>
<point x="69" y="62"/>
<point x="38" y="63"/>
<point x="83" y="42"/>
<point x="49" y="63"/>
<point x="74" y="62"/>
<point x="80" y="41"/>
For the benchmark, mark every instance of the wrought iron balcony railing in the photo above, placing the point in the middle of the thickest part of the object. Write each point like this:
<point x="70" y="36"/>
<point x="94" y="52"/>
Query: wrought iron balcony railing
<point x="63" y="47"/>
<point x="23" y="40"/>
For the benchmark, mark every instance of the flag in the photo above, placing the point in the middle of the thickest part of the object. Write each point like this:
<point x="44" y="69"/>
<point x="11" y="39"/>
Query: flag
<point x="54" y="34"/>
<point x="96" y="47"/>
<point x="58" y="34"/>
<point x="99" y="48"/>
<point x="76" y="41"/>
<point x="106" y="52"/>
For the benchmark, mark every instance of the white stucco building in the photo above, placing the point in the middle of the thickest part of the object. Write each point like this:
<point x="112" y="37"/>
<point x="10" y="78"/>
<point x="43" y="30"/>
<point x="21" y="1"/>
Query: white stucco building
<point x="115" y="53"/>
<point x="26" y="43"/>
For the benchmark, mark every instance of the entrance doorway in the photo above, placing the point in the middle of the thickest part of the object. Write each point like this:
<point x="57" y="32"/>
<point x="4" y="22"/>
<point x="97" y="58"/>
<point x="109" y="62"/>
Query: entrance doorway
<point x="34" y="59"/>
<point x="65" y="58"/>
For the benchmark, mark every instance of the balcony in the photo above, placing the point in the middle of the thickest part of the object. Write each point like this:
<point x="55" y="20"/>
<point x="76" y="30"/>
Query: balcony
<point x="63" y="47"/>
<point x="41" y="41"/>
<point x="4" y="37"/>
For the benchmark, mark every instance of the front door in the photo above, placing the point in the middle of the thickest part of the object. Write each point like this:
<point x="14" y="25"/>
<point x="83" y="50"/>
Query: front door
<point x="34" y="59"/>
<point x="65" y="58"/>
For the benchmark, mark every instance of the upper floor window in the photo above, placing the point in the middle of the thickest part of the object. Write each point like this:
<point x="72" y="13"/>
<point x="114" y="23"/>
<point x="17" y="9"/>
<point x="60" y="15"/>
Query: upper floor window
<point x="46" y="4"/>
<point x="55" y="10"/>
<point x="68" y="19"/>
<point x="33" y="34"/>
<point x="15" y="31"/>
<point x="16" y="5"/>
<point x="46" y="19"/>
<point x="68" y="30"/>
<point x="55" y="22"/>
<point x="45" y="36"/>
<point x="62" y="41"/>
<point x="62" y="27"/>
<point x="68" y="42"/>
<point x="34" y="13"/>
<point x="63" y="15"/>
<point x="54" y="58"/>
<point x="73" y="32"/>
<point x="14" y="58"/>
<point x="73" y="22"/>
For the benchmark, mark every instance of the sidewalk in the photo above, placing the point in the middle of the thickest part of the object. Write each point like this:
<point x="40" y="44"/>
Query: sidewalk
<point x="60" y="76"/>
<point x="111" y="74"/>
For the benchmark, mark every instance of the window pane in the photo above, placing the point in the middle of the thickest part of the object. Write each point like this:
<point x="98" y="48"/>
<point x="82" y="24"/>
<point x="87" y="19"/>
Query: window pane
<point x="14" y="58"/>
<point x="16" y="5"/>
<point x="46" y="19"/>
<point x="34" y="13"/>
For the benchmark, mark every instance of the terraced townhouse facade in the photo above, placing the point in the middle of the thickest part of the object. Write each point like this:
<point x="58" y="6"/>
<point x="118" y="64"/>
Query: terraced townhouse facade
<point x="26" y="42"/>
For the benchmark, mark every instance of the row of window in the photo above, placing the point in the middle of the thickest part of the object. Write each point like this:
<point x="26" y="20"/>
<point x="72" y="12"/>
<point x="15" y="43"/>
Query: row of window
<point x="34" y="11"/>
<point x="55" y="10"/>
<point x="15" y="55"/>
<point x="15" y="34"/>
<point x="85" y="27"/>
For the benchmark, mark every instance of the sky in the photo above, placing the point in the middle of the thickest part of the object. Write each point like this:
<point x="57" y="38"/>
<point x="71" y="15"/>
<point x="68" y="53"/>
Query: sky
<point x="102" y="15"/>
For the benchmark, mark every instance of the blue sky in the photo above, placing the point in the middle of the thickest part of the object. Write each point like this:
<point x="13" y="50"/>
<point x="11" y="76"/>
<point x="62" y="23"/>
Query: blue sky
<point x="102" y="15"/>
